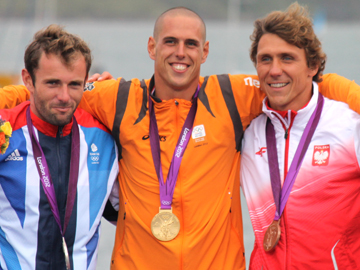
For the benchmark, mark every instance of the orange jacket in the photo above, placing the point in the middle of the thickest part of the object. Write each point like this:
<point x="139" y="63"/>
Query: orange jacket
<point x="207" y="193"/>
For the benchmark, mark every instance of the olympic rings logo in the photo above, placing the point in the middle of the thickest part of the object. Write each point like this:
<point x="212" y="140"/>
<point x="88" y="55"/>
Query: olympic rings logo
<point x="198" y="129"/>
<point x="95" y="158"/>
<point x="166" y="202"/>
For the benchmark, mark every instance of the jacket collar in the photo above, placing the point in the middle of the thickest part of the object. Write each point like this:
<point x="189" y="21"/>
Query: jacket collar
<point x="49" y="129"/>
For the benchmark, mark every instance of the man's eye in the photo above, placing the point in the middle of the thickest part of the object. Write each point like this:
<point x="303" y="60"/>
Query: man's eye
<point x="52" y="83"/>
<point x="76" y="85"/>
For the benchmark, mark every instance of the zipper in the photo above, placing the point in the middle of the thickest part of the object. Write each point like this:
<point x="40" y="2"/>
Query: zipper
<point x="290" y="118"/>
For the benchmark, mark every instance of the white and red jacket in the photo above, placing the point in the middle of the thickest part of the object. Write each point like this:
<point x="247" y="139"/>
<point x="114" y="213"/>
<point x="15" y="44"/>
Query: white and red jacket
<point x="320" y="225"/>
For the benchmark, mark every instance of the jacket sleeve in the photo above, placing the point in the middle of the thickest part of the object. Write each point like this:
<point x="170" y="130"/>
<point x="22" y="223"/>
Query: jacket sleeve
<point x="339" y="88"/>
<point x="111" y="210"/>
<point x="13" y="95"/>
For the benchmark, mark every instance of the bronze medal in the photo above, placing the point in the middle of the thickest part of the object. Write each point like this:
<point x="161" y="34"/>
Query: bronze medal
<point x="66" y="253"/>
<point x="165" y="226"/>
<point x="272" y="236"/>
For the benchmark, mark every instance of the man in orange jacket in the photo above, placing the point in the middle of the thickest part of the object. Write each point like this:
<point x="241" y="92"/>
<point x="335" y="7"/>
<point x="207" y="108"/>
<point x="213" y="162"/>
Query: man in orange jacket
<point x="179" y="137"/>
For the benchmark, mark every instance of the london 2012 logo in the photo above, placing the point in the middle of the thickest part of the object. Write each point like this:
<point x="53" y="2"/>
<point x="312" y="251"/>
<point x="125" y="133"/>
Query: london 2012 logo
<point x="198" y="133"/>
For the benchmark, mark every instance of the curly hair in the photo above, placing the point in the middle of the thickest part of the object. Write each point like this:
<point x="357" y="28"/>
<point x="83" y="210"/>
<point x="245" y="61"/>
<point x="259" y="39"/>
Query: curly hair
<point x="55" y="40"/>
<point x="295" y="27"/>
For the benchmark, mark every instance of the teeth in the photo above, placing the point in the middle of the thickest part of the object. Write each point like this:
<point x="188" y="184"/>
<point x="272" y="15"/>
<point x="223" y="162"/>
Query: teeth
<point x="278" y="85"/>
<point x="179" y="67"/>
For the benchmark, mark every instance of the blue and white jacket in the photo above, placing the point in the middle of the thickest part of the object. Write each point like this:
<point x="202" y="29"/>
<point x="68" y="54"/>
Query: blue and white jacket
<point x="29" y="235"/>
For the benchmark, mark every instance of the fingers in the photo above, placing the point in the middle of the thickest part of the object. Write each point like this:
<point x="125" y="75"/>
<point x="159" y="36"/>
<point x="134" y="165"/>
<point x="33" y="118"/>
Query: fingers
<point x="100" y="77"/>
<point x="106" y="76"/>
<point x="93" y="78"/>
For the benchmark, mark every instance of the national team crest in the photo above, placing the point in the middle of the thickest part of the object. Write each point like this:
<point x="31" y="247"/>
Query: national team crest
<point x="321" y="155"/>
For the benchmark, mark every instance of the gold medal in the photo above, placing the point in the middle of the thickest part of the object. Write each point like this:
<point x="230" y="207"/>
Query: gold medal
<point x="165" y="226"/>
<point x="66" y="253"/>
<point x="272" y="236"/>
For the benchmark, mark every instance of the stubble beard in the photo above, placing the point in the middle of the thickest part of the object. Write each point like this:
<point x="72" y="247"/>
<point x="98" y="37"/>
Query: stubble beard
<point x="54" y="118"/>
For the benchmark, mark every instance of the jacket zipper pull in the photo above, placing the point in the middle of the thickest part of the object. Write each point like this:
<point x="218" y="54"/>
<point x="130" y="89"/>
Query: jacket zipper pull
<point x="61" y="132"/>
<point x="286" y="134"/>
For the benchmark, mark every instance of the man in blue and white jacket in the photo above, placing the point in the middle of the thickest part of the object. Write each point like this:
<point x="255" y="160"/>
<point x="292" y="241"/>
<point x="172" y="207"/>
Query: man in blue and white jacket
<point x="60" y="166"/>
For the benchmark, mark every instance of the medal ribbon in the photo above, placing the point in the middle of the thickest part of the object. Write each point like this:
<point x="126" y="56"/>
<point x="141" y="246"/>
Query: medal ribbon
<point x="45" y="176"/>
<point x="167" y="188"/>
<point x="281" y="195"/>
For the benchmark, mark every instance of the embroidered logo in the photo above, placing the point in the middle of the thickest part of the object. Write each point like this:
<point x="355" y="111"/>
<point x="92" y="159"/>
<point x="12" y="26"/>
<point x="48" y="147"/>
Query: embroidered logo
<point x="94" y="147"/>
<point x="198" y="133"/>
<point x="321" y="155"/>
<point x="14" y="156"/>
<point x="89" y="86"/>
<point x="261" y="151"/>
<point x="161" y="138"/>
<point x="95" y="156"/>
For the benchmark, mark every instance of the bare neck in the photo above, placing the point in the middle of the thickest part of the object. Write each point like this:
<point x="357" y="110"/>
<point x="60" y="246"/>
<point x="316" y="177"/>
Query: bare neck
<point x="166" y="92"/>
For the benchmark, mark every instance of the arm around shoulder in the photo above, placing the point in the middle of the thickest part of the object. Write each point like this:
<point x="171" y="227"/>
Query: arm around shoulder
<point x="99" y="99"/>
<point x="13" y="95"/>
<point x="339" y="88"/>
<point x="248" y="96"/>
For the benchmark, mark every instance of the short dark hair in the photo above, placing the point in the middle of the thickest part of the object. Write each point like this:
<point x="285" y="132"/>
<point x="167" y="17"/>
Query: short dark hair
<point x="178" y="11"/>
<point x="295" y="27"/>
<point x="55" y="40"/>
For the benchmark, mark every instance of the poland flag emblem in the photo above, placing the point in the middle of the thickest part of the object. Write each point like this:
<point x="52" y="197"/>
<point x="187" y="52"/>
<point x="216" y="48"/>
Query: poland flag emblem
<point x="321" y="155"/>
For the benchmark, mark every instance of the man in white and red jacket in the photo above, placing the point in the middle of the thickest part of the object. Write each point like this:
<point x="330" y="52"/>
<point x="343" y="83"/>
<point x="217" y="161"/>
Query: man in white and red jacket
<point x="300" y="159"/>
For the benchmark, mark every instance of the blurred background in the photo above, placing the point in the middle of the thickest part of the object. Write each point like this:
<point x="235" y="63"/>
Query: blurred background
<point x="118" y="30"/>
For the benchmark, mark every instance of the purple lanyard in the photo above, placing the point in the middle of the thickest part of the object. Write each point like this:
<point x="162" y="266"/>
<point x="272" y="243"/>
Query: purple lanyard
<point x="45" y="176"/>
<point x="167" y="189"/>
<point x="282" y="195"/>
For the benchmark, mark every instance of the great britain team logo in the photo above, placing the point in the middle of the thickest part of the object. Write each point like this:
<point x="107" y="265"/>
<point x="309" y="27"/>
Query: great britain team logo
<point x="94" y="155"/>
<point x="321" y="155"/>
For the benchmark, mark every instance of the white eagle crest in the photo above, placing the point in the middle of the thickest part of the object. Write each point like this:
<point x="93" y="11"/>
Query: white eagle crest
<point x="320" y="157"/>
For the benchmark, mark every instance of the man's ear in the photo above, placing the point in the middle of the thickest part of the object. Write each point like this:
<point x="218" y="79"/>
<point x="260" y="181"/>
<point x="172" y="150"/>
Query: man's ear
<point x="28" y="82"/>
<point x="313" y="71"/>
<point x="205" y="52"/>
<point x="151" y="48"/>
